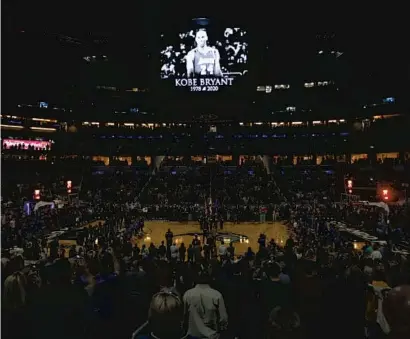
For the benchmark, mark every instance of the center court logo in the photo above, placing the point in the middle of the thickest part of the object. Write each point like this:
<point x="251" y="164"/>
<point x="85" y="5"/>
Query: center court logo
<point x="232" y="237"/>
<point x="226" y="237"/>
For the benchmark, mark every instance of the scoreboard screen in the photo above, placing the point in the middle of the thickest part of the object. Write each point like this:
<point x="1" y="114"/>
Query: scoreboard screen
<point x="204" y="58"/>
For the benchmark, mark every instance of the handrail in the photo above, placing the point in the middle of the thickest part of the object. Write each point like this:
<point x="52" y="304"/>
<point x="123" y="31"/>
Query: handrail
<point x="139" y="330"/>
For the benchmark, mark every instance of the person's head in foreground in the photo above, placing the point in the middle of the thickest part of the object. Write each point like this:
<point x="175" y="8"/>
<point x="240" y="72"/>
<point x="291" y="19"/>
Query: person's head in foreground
<point x="396" y="309"/>
<point x="284" y="323"/>
<point x="166" y="316"/>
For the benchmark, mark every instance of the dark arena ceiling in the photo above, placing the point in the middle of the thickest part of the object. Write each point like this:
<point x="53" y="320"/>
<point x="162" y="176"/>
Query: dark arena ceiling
<point x="97" y="58"/>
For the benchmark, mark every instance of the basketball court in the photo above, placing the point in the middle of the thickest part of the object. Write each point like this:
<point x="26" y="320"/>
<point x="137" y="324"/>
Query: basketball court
<point x="243" y="235"/>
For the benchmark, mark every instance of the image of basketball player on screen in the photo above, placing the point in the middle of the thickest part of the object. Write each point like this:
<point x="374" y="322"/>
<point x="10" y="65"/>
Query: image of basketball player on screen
<point x="203" y="60"/>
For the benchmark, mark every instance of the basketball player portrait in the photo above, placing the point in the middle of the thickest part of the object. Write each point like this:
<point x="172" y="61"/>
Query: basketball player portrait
<point x="203" y="60"/>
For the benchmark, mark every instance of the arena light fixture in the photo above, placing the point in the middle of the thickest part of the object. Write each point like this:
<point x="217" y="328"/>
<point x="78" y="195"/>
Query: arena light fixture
<point x="48" y="129"/>
<point x="11" y="126"/>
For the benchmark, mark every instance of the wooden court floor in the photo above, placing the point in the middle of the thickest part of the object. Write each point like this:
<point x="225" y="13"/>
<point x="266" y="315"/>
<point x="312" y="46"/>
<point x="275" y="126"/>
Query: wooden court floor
<point x="155" y="232"/>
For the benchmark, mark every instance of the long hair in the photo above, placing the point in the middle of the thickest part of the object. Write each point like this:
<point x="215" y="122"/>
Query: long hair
<point x="14" y="296"/>
<point x="166" y="313"/>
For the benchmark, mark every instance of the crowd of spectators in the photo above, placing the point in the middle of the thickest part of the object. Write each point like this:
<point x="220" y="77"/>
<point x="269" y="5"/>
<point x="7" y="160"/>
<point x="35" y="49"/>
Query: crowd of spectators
<point x="318" y="283"/>
<point x="316" y="192"/>
<point x="238" y="192"/>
